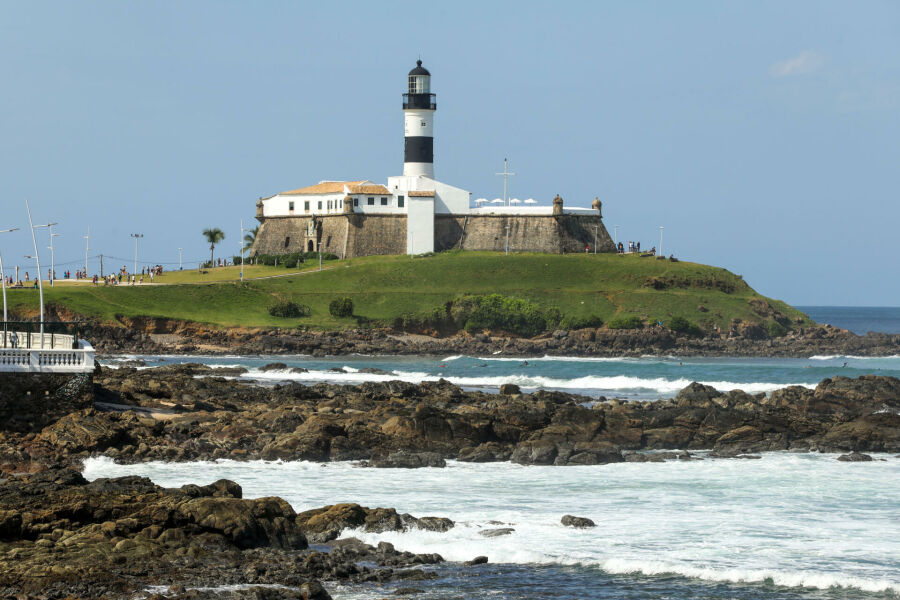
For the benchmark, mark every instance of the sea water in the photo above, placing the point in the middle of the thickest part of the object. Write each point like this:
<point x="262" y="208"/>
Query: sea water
<point x="648" y="377"/>
<point x="783" y="526"/>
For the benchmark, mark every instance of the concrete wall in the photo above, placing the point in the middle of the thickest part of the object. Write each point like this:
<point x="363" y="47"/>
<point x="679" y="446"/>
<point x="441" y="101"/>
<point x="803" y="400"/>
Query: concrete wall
<point x="343" y="235"/>
<point x="365" y="235"/>
<point x="420" y="229"/>
<point x="555" y="235"/>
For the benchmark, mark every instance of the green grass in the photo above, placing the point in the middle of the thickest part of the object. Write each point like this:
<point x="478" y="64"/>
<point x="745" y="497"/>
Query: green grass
<point x="386" y="287"/>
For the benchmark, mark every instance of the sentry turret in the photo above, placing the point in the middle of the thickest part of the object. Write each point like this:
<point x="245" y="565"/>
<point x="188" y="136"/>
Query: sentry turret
<point x="418" y="115"/>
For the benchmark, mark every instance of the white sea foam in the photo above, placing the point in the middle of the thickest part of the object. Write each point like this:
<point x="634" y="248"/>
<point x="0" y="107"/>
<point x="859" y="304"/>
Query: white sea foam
<point x="614" y="383"/>
<point x="787" y="519"/>
<point x="852" y="357"/>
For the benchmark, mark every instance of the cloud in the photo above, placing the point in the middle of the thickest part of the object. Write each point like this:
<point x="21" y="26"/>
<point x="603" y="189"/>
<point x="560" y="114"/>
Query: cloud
<point x="805" y="62"/>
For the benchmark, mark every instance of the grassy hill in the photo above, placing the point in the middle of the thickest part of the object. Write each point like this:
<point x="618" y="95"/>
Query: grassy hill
<point x="384" y="288"/>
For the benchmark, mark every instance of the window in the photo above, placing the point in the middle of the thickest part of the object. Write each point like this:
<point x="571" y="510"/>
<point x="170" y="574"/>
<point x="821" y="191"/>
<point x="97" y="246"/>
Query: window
<point x="320" y="205"/>
<point x="371" y="201"/>
<point x="340" y="204"/>
<point x="400" y="201"/>
<point x="356" y="202"/>
<point x="291" y="206"/>
<point x="306" y="205"/>
<point x="287" y="242"/>
<point x="384" y="201"/>
<point x="329" y="205"/>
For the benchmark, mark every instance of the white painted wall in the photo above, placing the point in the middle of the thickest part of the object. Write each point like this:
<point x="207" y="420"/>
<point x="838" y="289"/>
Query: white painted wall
<point x="420" y="226"/>
<point x="418" y="123"/>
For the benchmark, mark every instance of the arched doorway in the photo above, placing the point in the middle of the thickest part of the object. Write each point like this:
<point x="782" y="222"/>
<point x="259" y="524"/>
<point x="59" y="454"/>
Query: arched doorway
<point x="309" y="246"/>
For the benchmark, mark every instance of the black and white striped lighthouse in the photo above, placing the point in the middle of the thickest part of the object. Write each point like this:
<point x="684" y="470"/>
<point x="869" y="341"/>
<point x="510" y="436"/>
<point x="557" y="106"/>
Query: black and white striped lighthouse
<point x="418" y="116"/>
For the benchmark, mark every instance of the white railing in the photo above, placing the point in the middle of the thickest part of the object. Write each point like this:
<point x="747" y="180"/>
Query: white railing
<point x="52" y="341"/>
<point x="61" y="358"/>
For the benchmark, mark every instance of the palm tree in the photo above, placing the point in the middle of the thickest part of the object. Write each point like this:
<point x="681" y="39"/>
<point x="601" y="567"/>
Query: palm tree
<point x="250" y="237"/>
<point x="213" y="236"/>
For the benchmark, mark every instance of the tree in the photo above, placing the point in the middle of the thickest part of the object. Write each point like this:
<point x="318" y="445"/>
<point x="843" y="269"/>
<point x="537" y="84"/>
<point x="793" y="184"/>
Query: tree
<point x="213" y="236"/>
<point x="250" y="237"/>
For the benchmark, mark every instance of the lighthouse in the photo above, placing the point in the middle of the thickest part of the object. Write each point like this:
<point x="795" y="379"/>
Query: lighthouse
<point x="418" y="116"/>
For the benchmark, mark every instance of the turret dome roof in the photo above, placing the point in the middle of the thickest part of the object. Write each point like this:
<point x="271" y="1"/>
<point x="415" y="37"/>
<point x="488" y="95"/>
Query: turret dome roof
<point x="419" y="70"/>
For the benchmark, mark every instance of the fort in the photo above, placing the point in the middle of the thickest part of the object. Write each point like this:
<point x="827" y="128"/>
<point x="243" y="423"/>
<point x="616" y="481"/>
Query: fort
<point x="416" y="214"/>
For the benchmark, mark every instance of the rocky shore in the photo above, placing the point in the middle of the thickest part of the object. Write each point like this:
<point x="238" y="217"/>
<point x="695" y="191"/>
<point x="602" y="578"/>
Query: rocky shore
<point x="61" y="536"/>
<point x="148" y="336"/>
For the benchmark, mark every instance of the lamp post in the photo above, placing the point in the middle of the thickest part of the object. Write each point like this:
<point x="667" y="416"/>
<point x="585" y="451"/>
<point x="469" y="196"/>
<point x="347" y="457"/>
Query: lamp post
<point x="507" y="239"/>
<point x="52" y="256"/>
<point x="179" y="259"/>
<point x="616" y="234"/>
<point x="596" y="230"/>
<point x="241" y="246"/>
<point x="37" y="260"/>
<point x="3" y="276"/>
<point x="136" y="237"/>
<point x="660" y="240"/>
<point x="87" y="244"/>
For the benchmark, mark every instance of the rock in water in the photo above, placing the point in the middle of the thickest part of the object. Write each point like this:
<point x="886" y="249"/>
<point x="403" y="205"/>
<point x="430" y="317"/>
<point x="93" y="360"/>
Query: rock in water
<point x="510" y="389"/>
<point x="855" y="457"/>
<point x="491" y="533"/>
<point x="409" y="460"/>
<point x="577" y="522"/>
<point x="478" y="560"/>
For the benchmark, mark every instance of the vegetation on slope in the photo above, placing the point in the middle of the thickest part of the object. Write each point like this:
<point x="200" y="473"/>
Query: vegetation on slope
<point x="563" y="290"/>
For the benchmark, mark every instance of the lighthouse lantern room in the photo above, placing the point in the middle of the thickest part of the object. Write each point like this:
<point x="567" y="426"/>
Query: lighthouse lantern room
<point x="418" y="115"/>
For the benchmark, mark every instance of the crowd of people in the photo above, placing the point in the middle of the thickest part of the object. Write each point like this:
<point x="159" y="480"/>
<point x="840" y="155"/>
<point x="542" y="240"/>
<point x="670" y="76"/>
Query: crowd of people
<point x="122" y="276"/>
<point x="634" y="247"/>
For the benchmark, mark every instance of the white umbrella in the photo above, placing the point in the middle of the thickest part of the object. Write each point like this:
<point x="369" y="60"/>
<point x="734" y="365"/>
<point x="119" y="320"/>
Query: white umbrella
<point x="515" y="201"/>
<point x="531" y="201"/>
<point x="497" y="201"/>
<point x="481" y="201"/>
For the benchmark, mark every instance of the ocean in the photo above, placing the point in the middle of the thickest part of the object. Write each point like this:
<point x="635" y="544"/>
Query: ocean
<point x="786" y="526"/>
<point x="858" y="319"/>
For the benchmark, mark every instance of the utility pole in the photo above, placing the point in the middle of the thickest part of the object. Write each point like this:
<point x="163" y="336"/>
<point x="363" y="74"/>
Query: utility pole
<point x="52" y="277"/>
<point x="101" y="265"/>
<point x="506" y="173"/>
<point x="241" y="245"/>
<point x="616" y="238"/>
<point x="660" y="240"/>
<point x="179" y="259"/>
<point x="3" y="276"/>
<point x="596" y="229"/>
<point x="136" y="237"/>
<point x="87" y="244"/>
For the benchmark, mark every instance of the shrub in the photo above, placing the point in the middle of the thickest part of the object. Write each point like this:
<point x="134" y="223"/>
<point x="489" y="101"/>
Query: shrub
<point x="626" y="322"/>
<point x="494" y="311"/>
<point x="289" y="310"/>
<point x="682" y="325"/>
<point x="341" y="307"/>
<point x="592" y="321"/>
<point x="776" y="329"/>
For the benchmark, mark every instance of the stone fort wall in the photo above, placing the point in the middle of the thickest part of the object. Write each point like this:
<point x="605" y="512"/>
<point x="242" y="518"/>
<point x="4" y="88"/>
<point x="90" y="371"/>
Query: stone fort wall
<point x="350" y="235"/>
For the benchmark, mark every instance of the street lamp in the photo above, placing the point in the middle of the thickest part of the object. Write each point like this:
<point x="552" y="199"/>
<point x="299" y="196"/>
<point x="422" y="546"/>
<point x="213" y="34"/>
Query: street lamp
<point x="596" y="229"/>
<point x="52" y="256"/>
<point x="136" y="237"/>
<point x="37" y="260"/>
<point x="87" y="243"/>
<point x="179" y="259"/>
<point x="3" y="276"/>
<point x="660" y="240"/>
<point x="241" y="246"/>
<point x="616" y="234"/>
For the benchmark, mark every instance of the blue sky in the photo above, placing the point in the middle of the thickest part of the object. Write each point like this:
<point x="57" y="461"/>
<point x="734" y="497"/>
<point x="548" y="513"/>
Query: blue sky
<point x="763" y="136"/>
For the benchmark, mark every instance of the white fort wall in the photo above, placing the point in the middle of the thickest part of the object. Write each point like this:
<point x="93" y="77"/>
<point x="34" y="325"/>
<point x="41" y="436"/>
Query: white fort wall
<point x="420" y="226"/>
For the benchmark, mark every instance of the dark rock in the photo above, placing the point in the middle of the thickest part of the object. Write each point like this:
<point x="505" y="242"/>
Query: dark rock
<point x="409" y="460"/>
<point x="855" y="457"/>
<point x="478" y="560"/>
<point x="510" y="389"/>
<point x="491" y="533"/>
<point x="577" y="522"/>
<point x="276" y="366"/>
